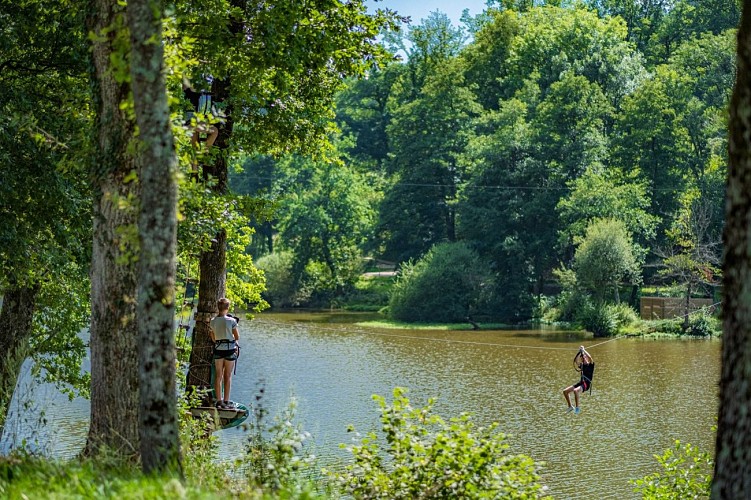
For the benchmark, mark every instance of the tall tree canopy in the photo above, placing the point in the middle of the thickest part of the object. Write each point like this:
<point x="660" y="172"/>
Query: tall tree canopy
<point x="45" y="214"/>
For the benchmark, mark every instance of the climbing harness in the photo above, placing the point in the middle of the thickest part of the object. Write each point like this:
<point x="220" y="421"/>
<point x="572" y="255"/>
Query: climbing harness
<point x="579" y="367"/>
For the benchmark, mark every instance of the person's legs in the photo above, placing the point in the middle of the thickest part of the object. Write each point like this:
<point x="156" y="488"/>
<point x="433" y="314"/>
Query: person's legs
<point x="212" y="135"/>
<point x="218" y="375"/>
<point x="566" y="394"/>
<point x="228" y="366"/>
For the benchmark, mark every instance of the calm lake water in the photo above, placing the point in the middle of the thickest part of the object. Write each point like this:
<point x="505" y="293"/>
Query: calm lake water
<point x="645" y="394"/>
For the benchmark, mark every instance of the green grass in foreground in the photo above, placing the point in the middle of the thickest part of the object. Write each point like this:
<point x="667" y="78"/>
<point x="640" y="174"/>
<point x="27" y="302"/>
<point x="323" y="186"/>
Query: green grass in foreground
<point x="35" y="477"/>
<point x="32" y="477"/>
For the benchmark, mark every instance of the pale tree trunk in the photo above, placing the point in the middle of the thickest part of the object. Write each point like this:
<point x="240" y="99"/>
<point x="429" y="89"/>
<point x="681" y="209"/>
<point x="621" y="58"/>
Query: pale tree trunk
<point x="15" y="316"/>
<point x="687" y="312"/>
<point x="114" y="360"/>
<point x="157" y="228"/>
<point x="732" y="477"/>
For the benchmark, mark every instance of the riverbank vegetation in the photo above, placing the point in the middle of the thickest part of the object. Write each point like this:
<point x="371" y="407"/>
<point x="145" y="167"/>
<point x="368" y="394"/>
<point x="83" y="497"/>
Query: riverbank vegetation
<point x="446" y="458"/>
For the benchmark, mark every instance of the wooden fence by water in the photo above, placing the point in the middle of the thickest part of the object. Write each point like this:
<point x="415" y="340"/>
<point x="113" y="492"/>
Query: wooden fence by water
<point x="670" y="307"/>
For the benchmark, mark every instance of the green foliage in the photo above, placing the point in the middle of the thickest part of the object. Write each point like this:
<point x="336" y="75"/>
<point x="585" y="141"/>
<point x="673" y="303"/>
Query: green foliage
<point x="427" y="133"/>
<point x="424" y="456"/>
<point x="604" y="257"/>
<point x="325" y="220"/>
<point x="371" y="293"/>
<point x="703" y="324"/>
<point x="269" y="470"/>
<point x="624" y="314"/>
<point x="283" y="78"/>
<point x="244" y="280"/>
<point x="199" y="445"/>
<point x="596" y="194"/>
<point x="275" y="458"/>
<point x="686" y="472"/>
<point x="281" y="288"/>
<point x="454" y="269"/>
<point x="600" y="319"/>
<point x="553" y="41"/>
<point x="29" y="476"/>
<point x="62" y="314"/>
<point x="45" y="203"/>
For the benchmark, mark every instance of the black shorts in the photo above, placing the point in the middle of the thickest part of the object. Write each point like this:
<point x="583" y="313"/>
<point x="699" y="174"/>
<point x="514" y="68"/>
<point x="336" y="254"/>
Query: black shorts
<point x="583" y="384"/>
<point x="229" y="355"/>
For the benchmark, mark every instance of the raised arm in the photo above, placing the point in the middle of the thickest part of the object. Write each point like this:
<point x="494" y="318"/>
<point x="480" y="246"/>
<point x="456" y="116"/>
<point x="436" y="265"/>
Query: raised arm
<point x="585" y="355"/>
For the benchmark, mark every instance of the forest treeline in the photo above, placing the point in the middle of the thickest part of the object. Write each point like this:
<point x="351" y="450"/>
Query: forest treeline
<point x="577" y="148"/>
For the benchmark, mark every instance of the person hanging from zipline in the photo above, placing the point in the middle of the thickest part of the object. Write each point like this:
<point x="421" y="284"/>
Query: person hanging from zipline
<point x="583" y="363"/>
<point x="224" y="333"/>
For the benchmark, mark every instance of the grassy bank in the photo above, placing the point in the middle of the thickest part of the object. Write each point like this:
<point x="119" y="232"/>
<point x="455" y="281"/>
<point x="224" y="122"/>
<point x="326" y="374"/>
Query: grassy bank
<point x="401" y="325"/>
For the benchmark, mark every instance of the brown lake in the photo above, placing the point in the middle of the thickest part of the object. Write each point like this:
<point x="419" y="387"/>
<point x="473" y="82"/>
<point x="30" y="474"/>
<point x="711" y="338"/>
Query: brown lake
<point x="646" y="393"/>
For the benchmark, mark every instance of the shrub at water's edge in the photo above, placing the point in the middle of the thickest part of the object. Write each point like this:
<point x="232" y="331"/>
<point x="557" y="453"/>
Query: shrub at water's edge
<point x="423" y="456"/>
<point x="685" y="472"/>
<point x="446" y="286"/>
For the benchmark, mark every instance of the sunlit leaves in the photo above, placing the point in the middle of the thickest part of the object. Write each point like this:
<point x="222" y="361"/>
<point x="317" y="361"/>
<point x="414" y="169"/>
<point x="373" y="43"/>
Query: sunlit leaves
<point x="419" y="454"/>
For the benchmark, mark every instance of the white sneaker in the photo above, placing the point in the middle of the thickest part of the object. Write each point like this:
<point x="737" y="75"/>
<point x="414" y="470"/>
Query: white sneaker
<point x="569" y="409"/>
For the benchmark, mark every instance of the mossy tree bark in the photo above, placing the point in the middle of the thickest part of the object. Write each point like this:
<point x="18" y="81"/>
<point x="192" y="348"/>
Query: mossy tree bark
<point x="157" y="228"/>
<point x="114" y="360"/>
<point x="732" y="478"/>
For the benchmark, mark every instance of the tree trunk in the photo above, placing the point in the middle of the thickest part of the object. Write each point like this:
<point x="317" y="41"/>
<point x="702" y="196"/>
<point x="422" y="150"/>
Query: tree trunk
<point x="213" y="263"/>
<point x="114" y="360"/>
<point x="211" y="287"/>
<point x="157" y="228"/>
<point x="732" y="475"/>
<point x="15" y="316"/>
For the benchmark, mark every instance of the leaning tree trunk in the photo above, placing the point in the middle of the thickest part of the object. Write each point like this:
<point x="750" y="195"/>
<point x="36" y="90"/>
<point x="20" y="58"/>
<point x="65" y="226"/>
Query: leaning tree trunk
<point x="114" y="360"/>
<point x="212" y="263"/>
<point x="15" y="316"/>
<point x="157" y="229"/>
<point x="732" y="477"/>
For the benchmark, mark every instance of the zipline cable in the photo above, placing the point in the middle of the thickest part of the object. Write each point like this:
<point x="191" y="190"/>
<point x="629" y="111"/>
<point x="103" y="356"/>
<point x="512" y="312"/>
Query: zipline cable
<point x="432" y="339"/>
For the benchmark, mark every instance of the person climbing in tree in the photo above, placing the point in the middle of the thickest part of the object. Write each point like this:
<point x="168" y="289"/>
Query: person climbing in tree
<point x="586" y="365"/>
<point x="204" y="110"/>
<point x="225" y="335"/>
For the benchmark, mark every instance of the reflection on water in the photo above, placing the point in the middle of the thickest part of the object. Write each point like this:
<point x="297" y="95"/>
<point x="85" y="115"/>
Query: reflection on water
<point x="645" y="393"/>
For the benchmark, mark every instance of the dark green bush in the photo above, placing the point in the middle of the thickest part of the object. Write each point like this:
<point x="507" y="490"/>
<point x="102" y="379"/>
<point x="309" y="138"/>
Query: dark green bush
<point x="280" y="286"/>
<point x="600" y="319"/>
<point x="445" y="286"/>
<point x="703" y="325"/>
